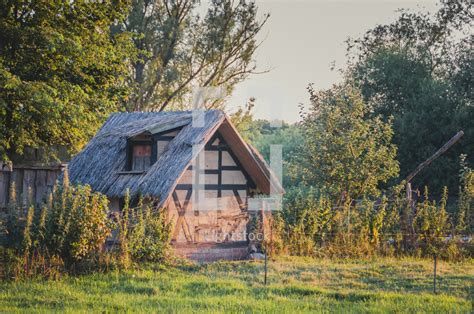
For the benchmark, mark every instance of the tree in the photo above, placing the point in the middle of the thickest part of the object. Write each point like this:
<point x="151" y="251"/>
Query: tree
<point x="179" y="50"/>
<point x="61" y="72"/>
<point x="291" y="139"/>
<point x="348" y="154"/>
<point x="243" y="120"/>
<point x="262" y="134"/>
<point x="423" y="33"/>
<point x="418" y="70"/>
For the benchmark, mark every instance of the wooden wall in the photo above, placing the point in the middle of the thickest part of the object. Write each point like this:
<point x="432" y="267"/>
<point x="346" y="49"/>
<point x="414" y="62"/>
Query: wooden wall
<point x="39" y="180"/>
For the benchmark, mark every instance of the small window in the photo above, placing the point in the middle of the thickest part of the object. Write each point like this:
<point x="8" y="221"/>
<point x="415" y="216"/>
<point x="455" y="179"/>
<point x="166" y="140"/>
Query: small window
<point x="141" y="157"/>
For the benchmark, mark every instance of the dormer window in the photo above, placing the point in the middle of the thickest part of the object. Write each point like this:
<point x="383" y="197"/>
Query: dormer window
<point x="145" y="149"/>
<point x="141" y="157"/>
<point x="140" y="153"/>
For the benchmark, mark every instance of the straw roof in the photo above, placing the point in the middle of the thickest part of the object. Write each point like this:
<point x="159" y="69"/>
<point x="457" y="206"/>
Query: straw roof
<point x="102" y="162"/>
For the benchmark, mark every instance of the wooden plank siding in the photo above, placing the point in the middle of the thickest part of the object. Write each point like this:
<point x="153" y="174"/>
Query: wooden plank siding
<point x="32" y="183"/>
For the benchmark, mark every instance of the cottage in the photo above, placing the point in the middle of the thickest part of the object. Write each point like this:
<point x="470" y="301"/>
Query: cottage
<point x="194" y="164"/>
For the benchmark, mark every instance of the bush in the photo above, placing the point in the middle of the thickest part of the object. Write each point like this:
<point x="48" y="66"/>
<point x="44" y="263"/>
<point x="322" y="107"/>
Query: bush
<point x="150" y="235"/>
<point x="68" y="234"/>
<point x="386" y="226"/>
<point x="70" y="228"/>
<point x="145" y="234"/>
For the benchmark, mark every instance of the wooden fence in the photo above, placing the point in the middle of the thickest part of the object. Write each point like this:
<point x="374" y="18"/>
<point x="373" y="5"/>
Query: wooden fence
<point x="32" y="183"/>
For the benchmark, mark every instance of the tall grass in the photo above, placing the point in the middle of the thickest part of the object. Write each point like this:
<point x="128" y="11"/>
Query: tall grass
<point x="391" y="226"/>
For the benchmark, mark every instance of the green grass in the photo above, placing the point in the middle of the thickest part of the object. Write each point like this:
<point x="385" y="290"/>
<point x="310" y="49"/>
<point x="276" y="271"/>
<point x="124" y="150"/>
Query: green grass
<point x="295" y="285"/>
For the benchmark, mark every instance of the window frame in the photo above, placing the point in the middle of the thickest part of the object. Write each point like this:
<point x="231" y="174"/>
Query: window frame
<point x="131" y="143"/>
<point x="153" y="141"/>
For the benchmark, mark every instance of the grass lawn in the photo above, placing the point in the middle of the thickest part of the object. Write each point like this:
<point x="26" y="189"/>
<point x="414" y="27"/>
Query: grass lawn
<point x="295" y="285"/>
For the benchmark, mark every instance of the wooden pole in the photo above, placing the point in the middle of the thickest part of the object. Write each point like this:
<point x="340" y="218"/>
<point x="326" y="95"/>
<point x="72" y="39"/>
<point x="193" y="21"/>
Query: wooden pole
<point x="409" y="193"/>
<point x="266" y="264"/>
<point x="434" y="274"/>
<point x="438" y="153"/>
<point x="265" y="243"/>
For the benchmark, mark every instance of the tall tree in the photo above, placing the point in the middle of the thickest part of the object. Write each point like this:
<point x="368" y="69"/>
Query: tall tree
<point x="61" y="72"/>
<point x="347" y="152"/>
<point x="180" y="50"/>
<point x="418" y="70"/>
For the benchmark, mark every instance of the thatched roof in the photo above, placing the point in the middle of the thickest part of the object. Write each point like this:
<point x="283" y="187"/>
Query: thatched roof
<point x="101" y="163"/>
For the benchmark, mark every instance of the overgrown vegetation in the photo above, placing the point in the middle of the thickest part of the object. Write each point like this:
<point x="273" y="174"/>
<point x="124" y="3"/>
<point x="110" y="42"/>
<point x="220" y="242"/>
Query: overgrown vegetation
<point x="144" y="234"/>
<point x="74" y="232"/>
<point x="406" y="91"/>
<point x="313" y="226"/>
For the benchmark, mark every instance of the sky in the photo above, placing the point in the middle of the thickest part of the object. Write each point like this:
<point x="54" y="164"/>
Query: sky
<point x="302" y="40"/>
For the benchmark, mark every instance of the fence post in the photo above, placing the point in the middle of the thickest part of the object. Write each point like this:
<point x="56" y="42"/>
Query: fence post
<point x="266" y="264"/>
<point x="265" y="242"/>
<point x="434" y="274"/>
<point x="409" y="193"/>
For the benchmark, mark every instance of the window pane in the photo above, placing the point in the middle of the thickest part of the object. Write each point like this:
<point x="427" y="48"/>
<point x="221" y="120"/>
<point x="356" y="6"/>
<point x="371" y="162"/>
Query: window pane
<point x="141" y="150"/>
<point x="141" y="157"/>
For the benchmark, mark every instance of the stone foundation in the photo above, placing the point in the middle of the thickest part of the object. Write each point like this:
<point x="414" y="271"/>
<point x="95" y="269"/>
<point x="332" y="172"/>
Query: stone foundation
<point x="210" y="252"/>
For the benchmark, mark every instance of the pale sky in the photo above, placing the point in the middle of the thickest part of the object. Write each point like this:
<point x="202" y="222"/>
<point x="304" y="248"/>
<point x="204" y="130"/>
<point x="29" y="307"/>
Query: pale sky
<point x="301" y="41"/>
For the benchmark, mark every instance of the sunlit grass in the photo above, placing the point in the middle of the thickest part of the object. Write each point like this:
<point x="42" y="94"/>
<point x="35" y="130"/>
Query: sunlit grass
<point x="295" y="284"/>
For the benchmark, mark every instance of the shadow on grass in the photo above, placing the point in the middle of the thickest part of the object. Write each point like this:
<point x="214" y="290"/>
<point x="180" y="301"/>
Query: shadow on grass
<point x="197" y="288"/>
<point x="295" y="291"/>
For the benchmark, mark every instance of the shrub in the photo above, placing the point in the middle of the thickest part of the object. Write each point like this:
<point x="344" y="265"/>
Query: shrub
<point x="68" y="233"/>
<point x="150" y="235"/>
<point x="145" y="234"/>
<point x="70" y="228"/>
<point x="385" y="226"/>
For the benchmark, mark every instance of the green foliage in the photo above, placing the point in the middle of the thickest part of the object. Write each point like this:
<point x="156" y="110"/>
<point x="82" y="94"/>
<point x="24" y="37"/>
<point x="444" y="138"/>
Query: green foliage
<point x="179" y="49"/>
<point x="291" y="139"/>
<point x="243" y="121"/>
<point x="314" y="226"/>
<point x="75" y="224"/>
<point x="61" y="73"/>
<point x="69" y="234"/>
<point x="431" y="223"/>
<point x="71" y="228"/>
<point x="465" y="219"/>
<point x="262" y="134"/>
<point x="417" y="71"/>
<point x="309" y="217"/>
<point x="144" y="233"/>
<point x="151" y="235"/>
<point x="347" y="153"/>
